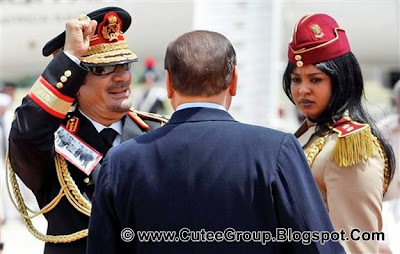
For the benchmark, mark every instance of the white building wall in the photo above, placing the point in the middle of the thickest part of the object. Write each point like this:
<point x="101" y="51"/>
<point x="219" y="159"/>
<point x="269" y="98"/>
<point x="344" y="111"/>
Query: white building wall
<point x="254" y="30"/>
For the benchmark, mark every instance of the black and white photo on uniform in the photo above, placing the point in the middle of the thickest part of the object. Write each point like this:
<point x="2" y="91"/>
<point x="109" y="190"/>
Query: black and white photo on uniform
<point x="75" y="150"/>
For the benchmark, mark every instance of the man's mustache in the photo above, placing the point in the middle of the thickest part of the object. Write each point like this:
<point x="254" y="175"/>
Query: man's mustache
<point x="119" y="86"/>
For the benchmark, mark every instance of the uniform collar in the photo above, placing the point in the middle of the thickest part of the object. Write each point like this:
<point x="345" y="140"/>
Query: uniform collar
<point x="304" y="133"/>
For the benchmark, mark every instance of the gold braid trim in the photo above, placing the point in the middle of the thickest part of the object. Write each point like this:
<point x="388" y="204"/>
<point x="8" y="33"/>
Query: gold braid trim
<point x="72" y="193"/>
<point x="104" y="58"/>
<point x="353" y="149"/>
<point x="386" y="175"/>
<point x="108" y="53"/>
<point x="317" y="146"/>
<point x="68" y="189"/>
<point x="315" y="149"/>
<point x="106" y="47"/>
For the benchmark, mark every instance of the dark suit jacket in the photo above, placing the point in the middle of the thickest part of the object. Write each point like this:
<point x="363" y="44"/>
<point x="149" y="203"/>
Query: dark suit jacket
<point x="204" y="170"/>
<point x="32" y="153"/>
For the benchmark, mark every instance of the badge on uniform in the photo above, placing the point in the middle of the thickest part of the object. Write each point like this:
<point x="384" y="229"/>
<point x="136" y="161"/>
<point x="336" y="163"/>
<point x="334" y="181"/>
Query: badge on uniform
<point x="75" y="150"/>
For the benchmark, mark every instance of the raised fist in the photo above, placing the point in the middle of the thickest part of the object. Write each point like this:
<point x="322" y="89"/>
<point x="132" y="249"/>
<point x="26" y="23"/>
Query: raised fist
<point x="77" y="35"/>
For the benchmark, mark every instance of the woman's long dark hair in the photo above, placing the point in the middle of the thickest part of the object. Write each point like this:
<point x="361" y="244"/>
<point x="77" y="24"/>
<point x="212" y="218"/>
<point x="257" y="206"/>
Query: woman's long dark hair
<point x="347" y="92"/>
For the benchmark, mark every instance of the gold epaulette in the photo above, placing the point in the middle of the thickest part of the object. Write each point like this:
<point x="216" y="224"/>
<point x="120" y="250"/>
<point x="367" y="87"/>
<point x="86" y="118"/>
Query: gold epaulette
<point x="355" y="142"/>
<point x="151" y="116"/>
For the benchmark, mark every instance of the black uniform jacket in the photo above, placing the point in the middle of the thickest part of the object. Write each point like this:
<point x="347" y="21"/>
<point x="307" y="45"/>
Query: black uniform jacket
<point x="32" y="145"/>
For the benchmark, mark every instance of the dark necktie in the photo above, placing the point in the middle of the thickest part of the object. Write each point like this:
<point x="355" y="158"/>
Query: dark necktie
<point x="108" y="135"/>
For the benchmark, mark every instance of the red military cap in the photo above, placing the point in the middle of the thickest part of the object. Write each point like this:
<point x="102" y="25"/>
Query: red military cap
<point x="108" y="45"/>
<point x="317" y="38"/>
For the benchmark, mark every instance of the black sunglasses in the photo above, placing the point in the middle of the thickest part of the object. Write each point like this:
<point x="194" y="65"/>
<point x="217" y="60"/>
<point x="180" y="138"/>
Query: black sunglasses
<point x="105" y="70"/>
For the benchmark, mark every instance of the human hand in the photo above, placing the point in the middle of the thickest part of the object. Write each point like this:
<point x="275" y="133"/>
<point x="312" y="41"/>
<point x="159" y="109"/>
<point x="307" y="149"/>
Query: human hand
<point x="78" y="33"/>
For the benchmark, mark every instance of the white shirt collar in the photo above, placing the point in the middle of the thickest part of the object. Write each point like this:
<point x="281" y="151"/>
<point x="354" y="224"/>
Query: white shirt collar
<point x="200" y="105"/>
<point x="117" y="126"/>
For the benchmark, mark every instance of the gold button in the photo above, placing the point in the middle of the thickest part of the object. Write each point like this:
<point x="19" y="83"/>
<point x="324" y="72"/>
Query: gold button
<point x="297" y="57"/>
<point x="63" y="79"/>
<point x="299" y="63"/>
<point x="67" y="73"/>
<point x="86" y="180"/>
<point x="59" y="85"/>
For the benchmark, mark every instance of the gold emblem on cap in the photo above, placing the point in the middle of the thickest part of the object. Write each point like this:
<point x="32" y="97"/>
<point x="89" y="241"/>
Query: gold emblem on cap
<point x="67" y="73"/>
<point x="111" y="29"/>
<point x="297" y="57"/>
<point x="59" y="85"/>
<point x="299" y="63"/>
<point x="317" y="31"/>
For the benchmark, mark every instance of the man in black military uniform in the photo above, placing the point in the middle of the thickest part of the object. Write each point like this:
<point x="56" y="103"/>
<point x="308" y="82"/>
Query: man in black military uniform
<point x="86" y="90"/>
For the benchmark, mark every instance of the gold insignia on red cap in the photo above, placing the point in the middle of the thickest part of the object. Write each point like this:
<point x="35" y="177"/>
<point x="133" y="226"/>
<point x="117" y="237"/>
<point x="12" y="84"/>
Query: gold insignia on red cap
<point x="108" y="45"/>
<point x="299" y="63"/>
<point x="298" y="58"/>
<point x="317" y="31"/>
<point x="111" y="28"/>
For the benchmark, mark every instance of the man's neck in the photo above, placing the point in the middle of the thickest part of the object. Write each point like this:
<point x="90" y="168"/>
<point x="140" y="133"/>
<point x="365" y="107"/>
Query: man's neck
<point x="220" y="99"/>
<point x="200" y="105"/>
<point x="102" y="119"/>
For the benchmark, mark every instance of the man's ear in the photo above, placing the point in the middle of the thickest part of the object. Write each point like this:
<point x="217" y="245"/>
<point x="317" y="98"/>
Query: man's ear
<point x="233" y="84"/>
<point x="168" y="80"/>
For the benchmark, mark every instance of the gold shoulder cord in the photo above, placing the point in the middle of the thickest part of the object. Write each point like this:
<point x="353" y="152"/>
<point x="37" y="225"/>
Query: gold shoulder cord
<point x="68" y="189"/>
<point x="317" y="146"/>
<point x="315" y="149"/>
<point x="386" y="176"/>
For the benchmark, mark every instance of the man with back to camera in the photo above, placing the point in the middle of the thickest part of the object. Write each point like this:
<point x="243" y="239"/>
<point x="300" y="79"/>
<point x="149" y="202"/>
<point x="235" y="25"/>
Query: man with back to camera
<point x="207" y="172"/>
<point x="86" y="90"/>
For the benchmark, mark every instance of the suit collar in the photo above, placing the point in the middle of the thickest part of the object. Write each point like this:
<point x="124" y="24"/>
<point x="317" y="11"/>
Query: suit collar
<point x="200" y="105"/>
<point x="199" y="115"/>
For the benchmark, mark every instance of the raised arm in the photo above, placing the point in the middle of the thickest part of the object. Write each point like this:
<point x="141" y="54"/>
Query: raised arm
<point x="46" y="106"/>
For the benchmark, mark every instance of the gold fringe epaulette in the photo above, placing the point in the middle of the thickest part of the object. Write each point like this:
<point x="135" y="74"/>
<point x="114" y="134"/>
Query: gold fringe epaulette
<point x="355" y="142"/>
<point x="151" y="116"/>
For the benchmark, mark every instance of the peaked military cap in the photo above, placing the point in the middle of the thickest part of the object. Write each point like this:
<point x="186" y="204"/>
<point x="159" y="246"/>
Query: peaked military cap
<point x="108" y="45"/>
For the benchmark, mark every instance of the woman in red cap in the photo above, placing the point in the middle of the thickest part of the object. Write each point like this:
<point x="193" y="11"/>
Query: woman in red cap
<point x="351" y="162"/>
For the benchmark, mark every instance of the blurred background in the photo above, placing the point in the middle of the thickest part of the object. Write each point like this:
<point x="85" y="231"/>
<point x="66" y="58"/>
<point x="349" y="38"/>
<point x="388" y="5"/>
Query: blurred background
<point x="259" y="30"/>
